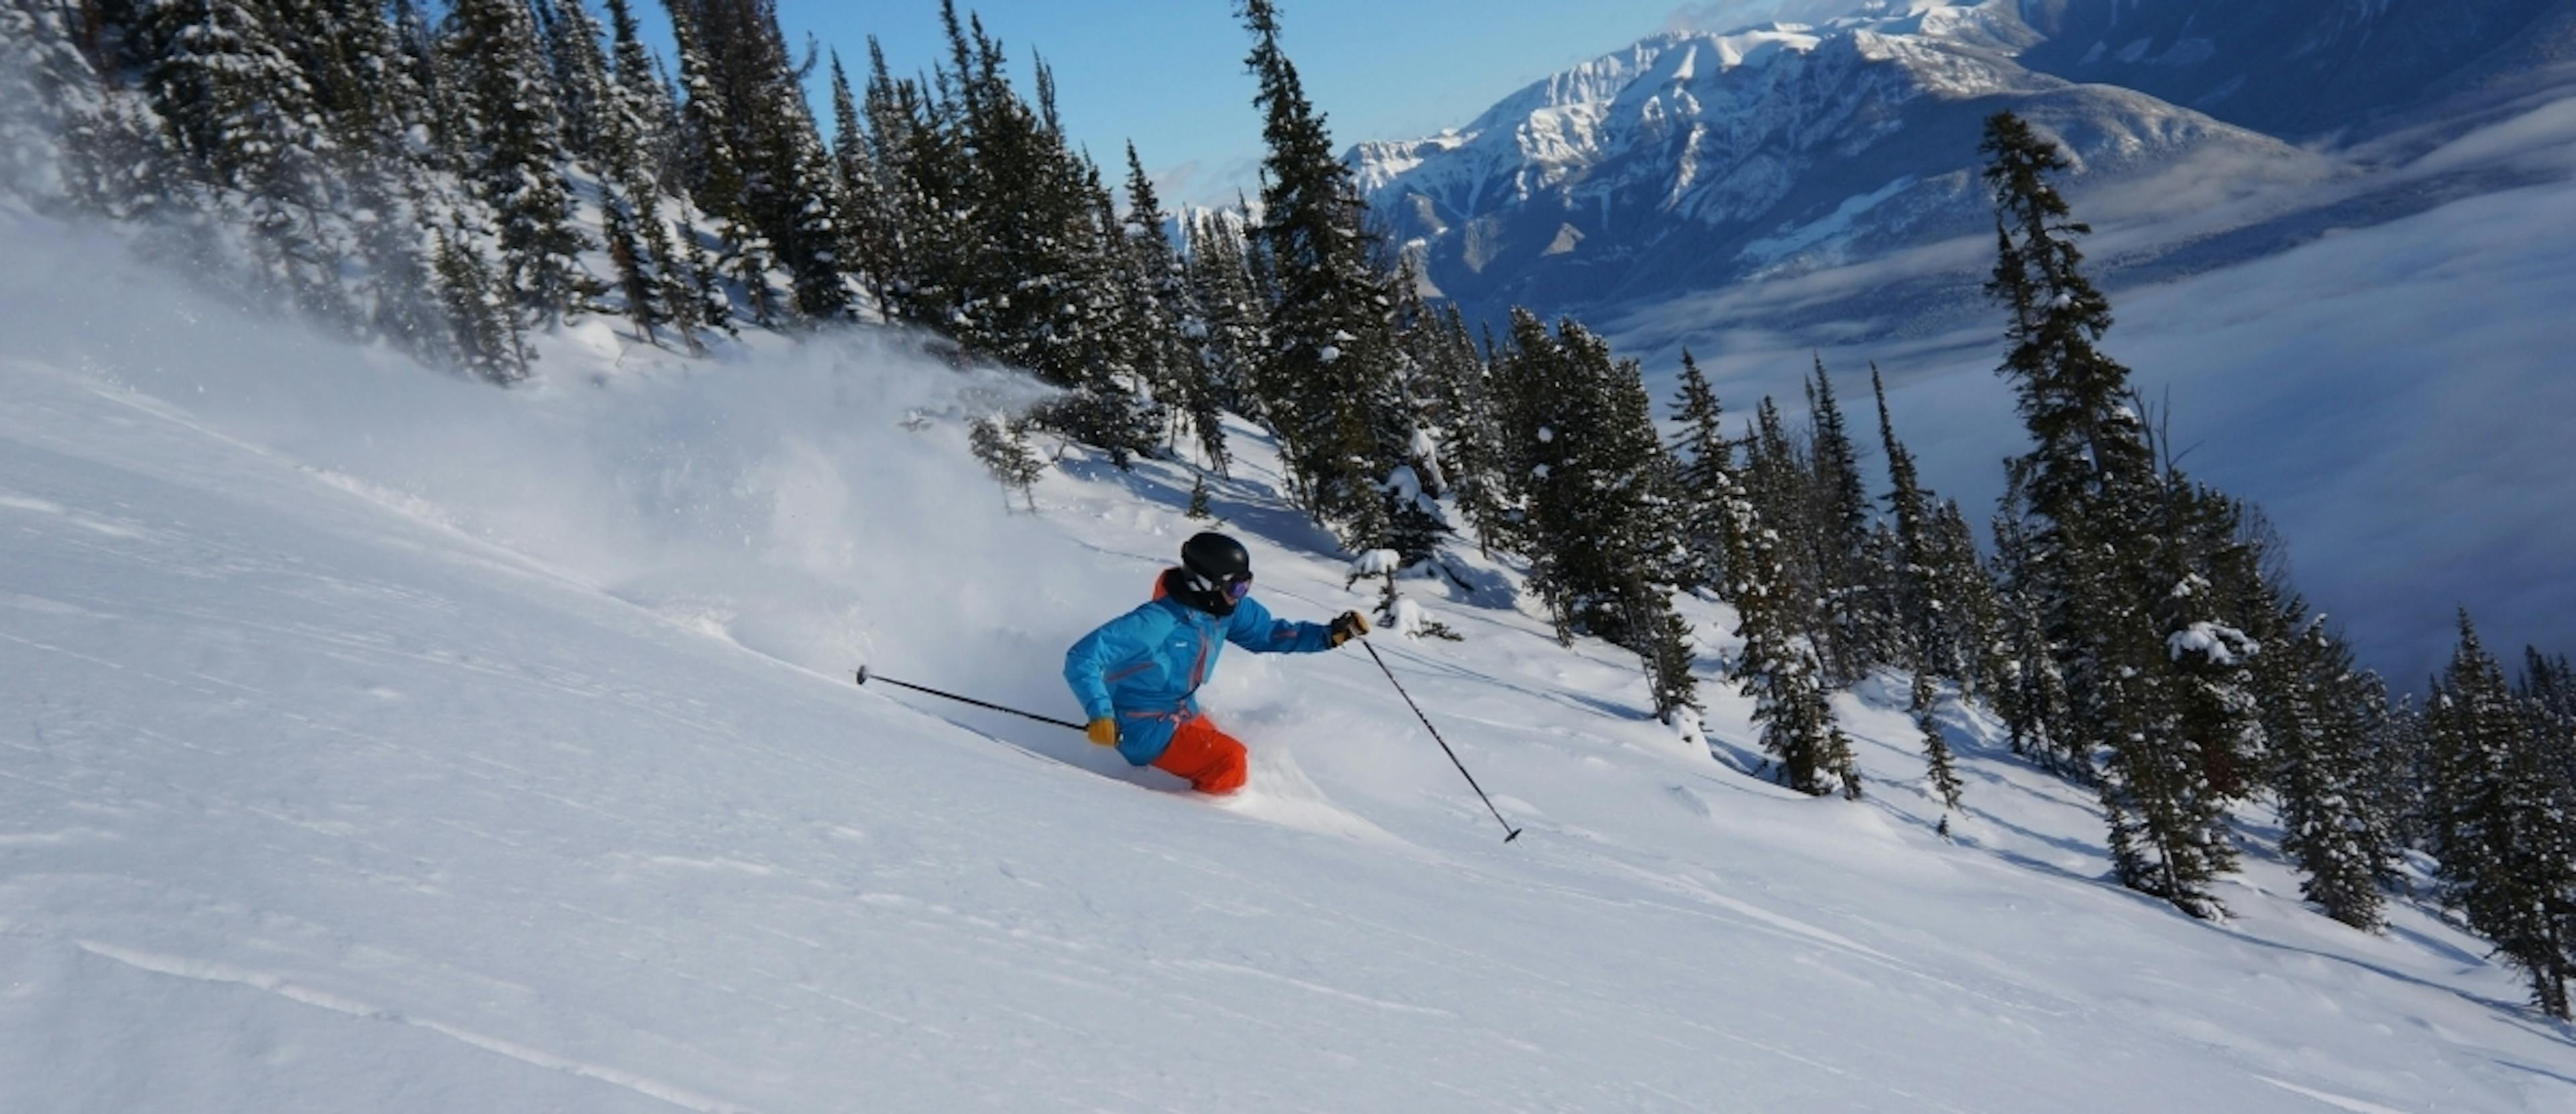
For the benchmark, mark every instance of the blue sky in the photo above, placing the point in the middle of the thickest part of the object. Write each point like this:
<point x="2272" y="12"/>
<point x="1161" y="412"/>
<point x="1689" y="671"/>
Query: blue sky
<point x="1169" y="73"/>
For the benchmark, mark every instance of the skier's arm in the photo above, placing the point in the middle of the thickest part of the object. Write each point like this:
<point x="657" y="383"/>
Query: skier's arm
<point x="1253" y="629"/>
<point x="1087" y="664"/>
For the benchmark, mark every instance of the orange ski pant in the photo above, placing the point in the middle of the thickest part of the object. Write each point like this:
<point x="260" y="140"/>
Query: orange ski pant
<point x="1210" y="759"/>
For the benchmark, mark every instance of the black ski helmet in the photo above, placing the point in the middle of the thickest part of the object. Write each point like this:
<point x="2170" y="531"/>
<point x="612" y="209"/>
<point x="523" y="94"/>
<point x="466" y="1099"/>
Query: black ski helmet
<point x="1216" y="560"/>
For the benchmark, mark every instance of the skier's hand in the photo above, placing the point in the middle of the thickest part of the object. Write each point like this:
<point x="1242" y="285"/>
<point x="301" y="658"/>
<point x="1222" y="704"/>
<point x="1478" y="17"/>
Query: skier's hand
<point x="1103" y="731"/>
<point x="1351" y="625"/>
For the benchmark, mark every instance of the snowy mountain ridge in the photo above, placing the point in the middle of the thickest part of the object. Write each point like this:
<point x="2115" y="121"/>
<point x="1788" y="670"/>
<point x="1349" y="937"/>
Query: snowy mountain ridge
<point x="1691" y="159"/>
<point x="1694" y="159"/>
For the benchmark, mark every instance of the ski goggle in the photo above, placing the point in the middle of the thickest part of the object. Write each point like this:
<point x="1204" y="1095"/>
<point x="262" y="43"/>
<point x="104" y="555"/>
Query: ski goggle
<point x="1233" y="587"/>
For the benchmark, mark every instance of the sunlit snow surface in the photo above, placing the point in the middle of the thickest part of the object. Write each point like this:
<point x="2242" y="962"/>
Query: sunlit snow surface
<point x="370" y="740"/>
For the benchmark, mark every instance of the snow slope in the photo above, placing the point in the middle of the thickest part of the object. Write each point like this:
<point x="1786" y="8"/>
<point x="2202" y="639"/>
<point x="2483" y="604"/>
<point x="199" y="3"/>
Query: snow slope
<point x="376" y="741"/>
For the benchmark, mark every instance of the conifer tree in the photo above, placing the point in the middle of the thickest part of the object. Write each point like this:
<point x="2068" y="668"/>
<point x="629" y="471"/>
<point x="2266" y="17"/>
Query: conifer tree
<point x="2548" y="683"/>
<point x="1931" y="645"/>
<point x="2400" y="775"/>
<point x="716" y="167"/>
<point x="2503" y="829"/>
<point x="1586" y="472"/>
<point x="1325" y="376"/>
<point x="1779" y="481"/>
<point x="2031" y="690"/>
<point x="2106" y="589"/>
<point x="1413" y="520"/>
<point x="1030" y="263"/>
<point x="2325" y="720"/>
<point x="1004" y="238"/>
<point x="1229" y="331"/>
<point x="486" y="329"/>
<point x="1163" y="307"/>
<point x="2213" y="689"/>
<point x="1940" y="767"/>
<point x="1002" y="444"/>
<point x="416" y="54"/>
<point x="248" y="121"/>
<point x="606" y="129"/>
<point x="371" y="106"/>
<point x="583" y="99"/>
<point x="57" y="116"/>
<point x="1671" y="661"/>
<point x="2548" y="692"/>
<point x="1971" y="625"/>
<point x="931" y="255"/>
<point x="867" y="229"/>
<point x="645" y="163"/>
<point x="512" y="139"/>
<point x="661" y="267"/>
<point x="789" y="191"/>
<point x="1777" y="667"/>
<point x="1198" y="507"/>
<point x="1126" y="345"/>
<point x="1593" y="495"/>
<point x="701" y="268"/>
<point x="1470" y="445"/>
<point x="1839" y="538"/>
<point x="1704" y="477"/>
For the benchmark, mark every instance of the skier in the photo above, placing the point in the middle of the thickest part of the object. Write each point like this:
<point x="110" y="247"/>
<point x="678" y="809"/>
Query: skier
<point x="1138" y="675"/>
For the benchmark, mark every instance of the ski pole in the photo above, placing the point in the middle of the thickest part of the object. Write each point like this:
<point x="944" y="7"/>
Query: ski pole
<point x="1511" y="833"/>
<point x="865" y="677"/>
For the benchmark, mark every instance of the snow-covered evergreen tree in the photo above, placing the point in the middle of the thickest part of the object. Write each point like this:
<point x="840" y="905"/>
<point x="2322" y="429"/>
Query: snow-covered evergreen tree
<point x="867" y="227"/>
<point x="1325" y="376"/>
<point x="1925" y="635"/>
<point x="1163" y="309"/>
<point x="2505" y="828"/>
<point x="250" y="123"/>
<point x="1593" y="495"/>
<point x="1971" y="612"/>
<point x="1941" y="768"/>
<point x="2098" y="557"/>
<point x="1471" y="455"/>
<point x="664" y="284"/>
<point x="512" y="143"/>
<point x="1778" y="667"/>
<point x="1851" y="636"/>
<point x="715" y="168"/>
<point x="2326" y="721"/>
<point x="1002" y="444"/>
<point x="1230" y="331"/>
<point x="1781" y="484"/>
<point x="2031" y="689"/>
<point x="1704" y="478"/>
<point x="488" y="340"/>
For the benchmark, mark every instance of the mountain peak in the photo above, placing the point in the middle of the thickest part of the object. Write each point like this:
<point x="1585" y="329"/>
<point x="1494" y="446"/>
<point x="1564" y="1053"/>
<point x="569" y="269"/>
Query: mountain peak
<point x="1694" y="156"/>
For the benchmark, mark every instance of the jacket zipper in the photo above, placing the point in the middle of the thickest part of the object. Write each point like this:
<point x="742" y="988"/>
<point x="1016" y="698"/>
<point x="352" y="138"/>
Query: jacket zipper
<point x="1198" y="669"/>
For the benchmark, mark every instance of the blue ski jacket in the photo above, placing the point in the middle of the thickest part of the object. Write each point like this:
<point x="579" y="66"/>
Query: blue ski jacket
<point x="1144" y="668"/>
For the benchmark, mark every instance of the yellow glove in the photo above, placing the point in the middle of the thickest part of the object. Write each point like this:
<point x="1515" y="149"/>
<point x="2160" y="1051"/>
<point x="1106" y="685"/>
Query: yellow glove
<point x="1103" y="731"/>
<point x="1351" y="625"/>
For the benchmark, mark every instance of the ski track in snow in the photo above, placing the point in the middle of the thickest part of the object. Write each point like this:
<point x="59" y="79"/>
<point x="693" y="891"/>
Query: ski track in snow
<point x="203" y="971"/>
<point x="2331" y="1099"/>
<point x="411" y="746"/>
